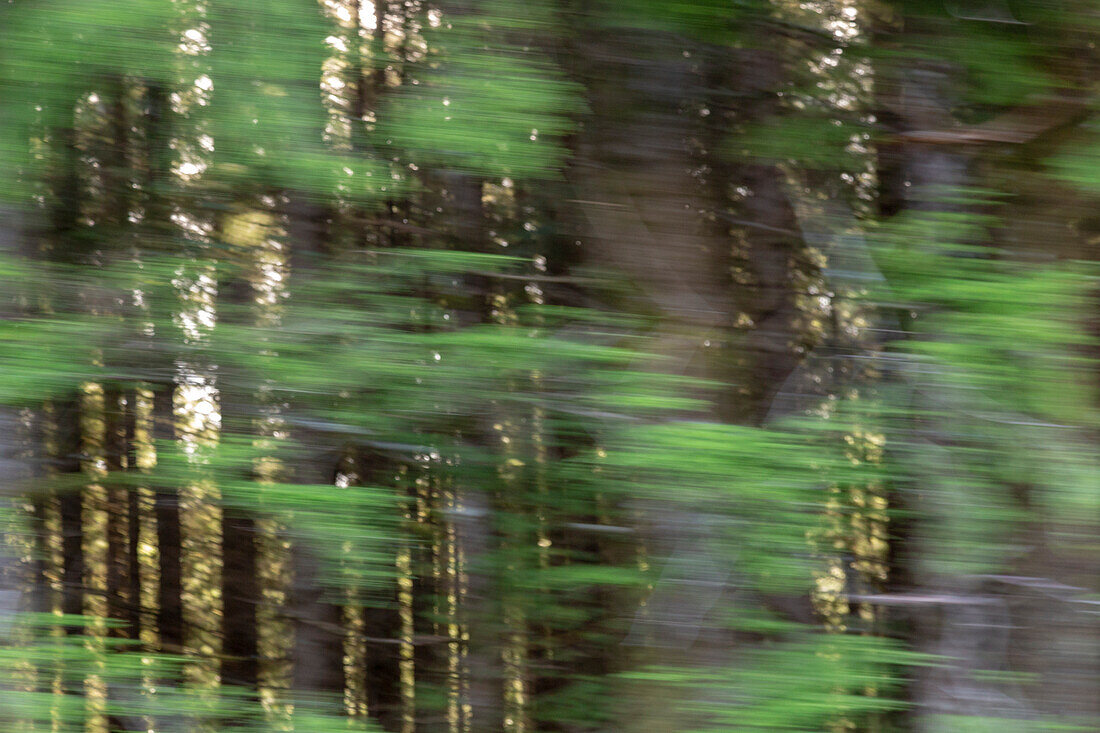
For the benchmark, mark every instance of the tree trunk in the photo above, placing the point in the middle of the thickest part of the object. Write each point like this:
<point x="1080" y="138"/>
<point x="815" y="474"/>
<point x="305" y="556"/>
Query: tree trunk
<point x="240" y="572"/>
<point x="381" y="624"/>
<point x="318" y="676"/>
<point x="71" y="505"/>
<point x="15" y="470"/>
<point x="918" y="178"/>
<point x="382" y="629"/>
<point x="240" y="596"/>
<point x="133" y="523"/>
<point x="973" y="623"/>
<point x="644" y="207"/>
<point x="118" y="603"/>
<point x="479" y="611"/>
<point x="318" y="679"/>
<point x="169" y="538"/>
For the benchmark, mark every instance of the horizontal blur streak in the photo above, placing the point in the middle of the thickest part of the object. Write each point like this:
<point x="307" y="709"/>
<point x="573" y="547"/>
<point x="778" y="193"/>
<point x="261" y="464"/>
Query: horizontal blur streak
<point x="579" y="366"/>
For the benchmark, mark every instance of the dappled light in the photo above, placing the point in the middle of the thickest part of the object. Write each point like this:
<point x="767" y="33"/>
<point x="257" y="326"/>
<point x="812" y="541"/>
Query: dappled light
<point x="565" y="365"/>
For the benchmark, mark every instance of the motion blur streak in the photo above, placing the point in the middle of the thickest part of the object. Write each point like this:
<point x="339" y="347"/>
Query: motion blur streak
<point x="565" y="365"/>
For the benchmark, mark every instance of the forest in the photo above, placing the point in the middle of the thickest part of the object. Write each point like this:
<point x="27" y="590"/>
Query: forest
<point x="579" y="366"/>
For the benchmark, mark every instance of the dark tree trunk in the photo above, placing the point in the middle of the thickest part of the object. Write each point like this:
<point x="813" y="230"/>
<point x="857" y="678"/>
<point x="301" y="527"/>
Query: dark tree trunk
<point x="636" y="173"/>
<point x="973" y="623"/>
<point x="15" y="470"/>
<point x="240" y="596"/>
<point x="318" y="675"/>
<point x="381" y="625"/>
<point x="382" y="629"/>
<point x="42" y="599"/>
<point x="69" y="244"/>
<point x="35" y="437"/>
<point x="318" y="679"/>
<point x="169" y="539"/>
<point x="71" y="506"/>
<point x="120" y="604"/>
<point x="633" y="169"/>
<point x="240" y="664"/>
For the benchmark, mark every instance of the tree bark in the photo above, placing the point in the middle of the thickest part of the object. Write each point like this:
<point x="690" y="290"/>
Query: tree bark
<point x="240" y="572"/>
<point x="318" y="675"/>
<point x="1023" y="618"/>
<point x="240" y="596"/>
<point x="71" y="505"/>
<point x="133" y="523"/>
<point x="644" y="208"/>
<point x="118" y="601"/>
<point x="169" y="538"/>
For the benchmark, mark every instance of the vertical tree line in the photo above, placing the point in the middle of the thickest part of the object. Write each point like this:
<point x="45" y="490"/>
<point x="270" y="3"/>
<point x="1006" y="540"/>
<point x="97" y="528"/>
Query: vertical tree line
<point x="455" y="366"/>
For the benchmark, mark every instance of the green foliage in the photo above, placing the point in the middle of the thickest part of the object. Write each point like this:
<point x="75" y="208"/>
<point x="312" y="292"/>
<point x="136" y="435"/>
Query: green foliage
<point x="499" y="113"/>
<point x="265" y="114"/>
<point x="710" y="21"/>
<point x="365" y="519"/>
<point x="805" y="684"/>
<point x="1077" y="165"/>
<point x="809" y="142"/>
<point x="989" y="367"/>
<point x="764" y="487"/>
<point x="54" y="52"/>
<point x="544" y="442"/>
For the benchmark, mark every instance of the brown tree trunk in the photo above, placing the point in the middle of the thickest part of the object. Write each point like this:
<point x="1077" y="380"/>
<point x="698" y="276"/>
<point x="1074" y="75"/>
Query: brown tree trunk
<point x="115" y="449"/>
<point x="476" y="509"/>
<point x="916" y="177"/>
